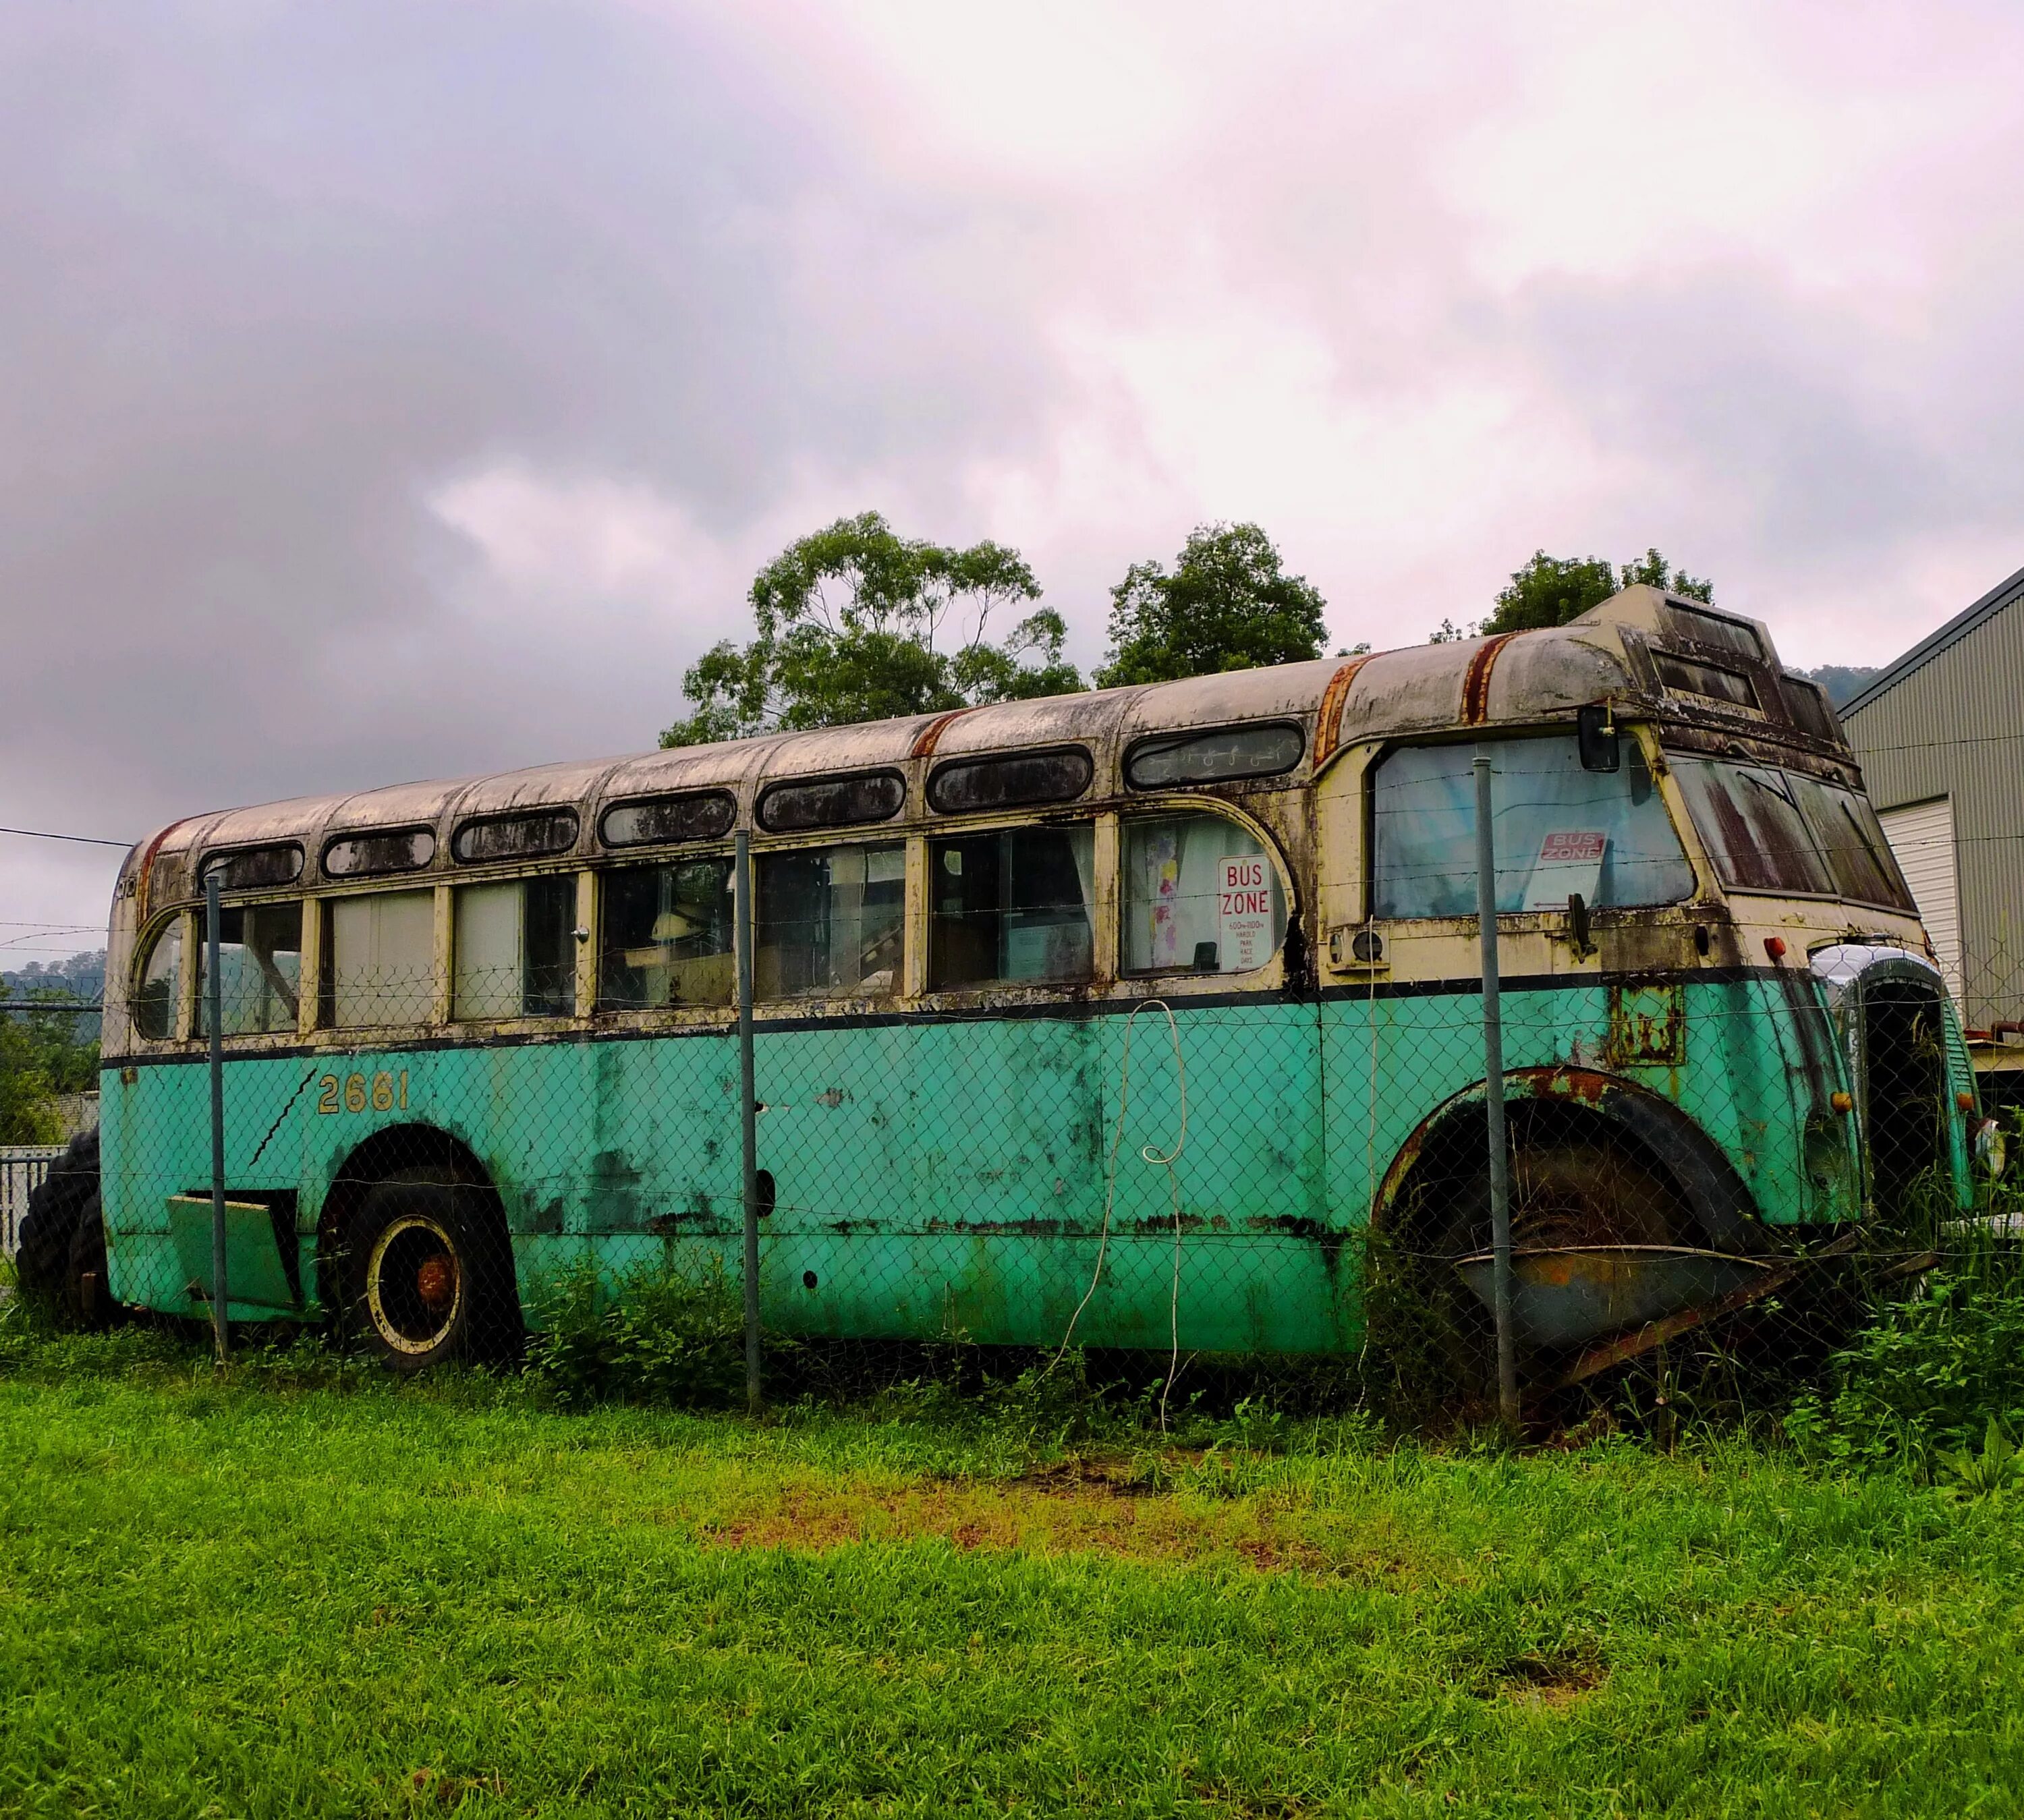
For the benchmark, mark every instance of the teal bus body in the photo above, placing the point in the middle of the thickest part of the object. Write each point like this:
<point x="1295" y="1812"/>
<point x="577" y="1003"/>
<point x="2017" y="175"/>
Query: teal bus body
<point x="1125" y="1017"/>
<point x="940" y="1177"/>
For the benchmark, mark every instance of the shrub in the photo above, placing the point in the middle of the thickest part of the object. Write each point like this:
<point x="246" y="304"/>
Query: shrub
<point x="665" y="1337"/>
<point x="1927" y="1377"/>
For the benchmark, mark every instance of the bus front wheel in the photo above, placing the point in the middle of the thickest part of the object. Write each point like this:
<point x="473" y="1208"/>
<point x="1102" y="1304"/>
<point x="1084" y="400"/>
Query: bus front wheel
<point x="424" y="1281"/>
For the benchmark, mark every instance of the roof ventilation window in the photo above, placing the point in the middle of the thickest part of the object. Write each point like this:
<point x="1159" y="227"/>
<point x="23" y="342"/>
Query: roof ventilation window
<point x="831" y="802"/>
<point x="667" y="820"/>
<point x="963" y="786"/>
<point x="1684" y="676"/>
<point x="532" y="836"/>
<point x="1174" y="761"/>
<point x="254" y="868"/>
<point x="1716" y="630"/>
<point x="370" y="855"/>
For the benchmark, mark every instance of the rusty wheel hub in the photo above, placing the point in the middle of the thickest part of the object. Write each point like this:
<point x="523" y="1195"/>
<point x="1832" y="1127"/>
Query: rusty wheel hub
<point x="435" y="1282"/>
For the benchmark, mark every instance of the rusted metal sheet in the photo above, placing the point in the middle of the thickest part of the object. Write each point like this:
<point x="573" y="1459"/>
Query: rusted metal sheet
<point x="1653" y="1333"/>
<point x="1570" y="1295"/>
<point x="1328" y="721"/>
<point x="1476" y="682"/>
<point x="926" y="739"/>
<point x="1647" y="1025"/>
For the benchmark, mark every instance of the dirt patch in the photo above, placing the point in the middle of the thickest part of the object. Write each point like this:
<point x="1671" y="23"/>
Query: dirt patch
<point x="1092" y="1507"/>
<point x="1554" y="1682"/>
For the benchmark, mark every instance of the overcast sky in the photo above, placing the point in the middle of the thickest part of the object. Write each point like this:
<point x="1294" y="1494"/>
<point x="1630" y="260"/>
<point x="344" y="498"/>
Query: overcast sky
<point x="412" y="389"/>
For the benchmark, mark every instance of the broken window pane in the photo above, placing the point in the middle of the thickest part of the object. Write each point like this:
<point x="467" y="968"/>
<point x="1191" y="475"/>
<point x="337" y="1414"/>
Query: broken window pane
<point x="658" y="821"/>
<point x="516" y="949"/>
<point x="1199" y="893"/>
<point x="379" y="965"/>
<point x="1170" y="760"/>
<point x="1014" y="905"/>
<point x="831" y="803"/>
<point x="255" y="868"/>
<point x="966" y="785"/>
<point x="1559" y="830"/>
<point x="259" y="968"/>
<point x="367" y="855"/>
<point x="667" y="936"/>
<point x="533" y="837"/>
<point x="161" y="984"/>
<point x="830" y="920"/>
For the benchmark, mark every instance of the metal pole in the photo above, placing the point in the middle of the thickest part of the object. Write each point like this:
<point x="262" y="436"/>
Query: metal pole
<point x="749" y="1108"/>
<point x="1493" y="1095"/>
<point x="215" y="1018"/>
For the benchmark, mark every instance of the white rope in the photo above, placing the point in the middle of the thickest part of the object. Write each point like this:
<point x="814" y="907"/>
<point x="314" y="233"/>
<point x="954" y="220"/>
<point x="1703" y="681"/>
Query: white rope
<point x="1159" y="1159"/>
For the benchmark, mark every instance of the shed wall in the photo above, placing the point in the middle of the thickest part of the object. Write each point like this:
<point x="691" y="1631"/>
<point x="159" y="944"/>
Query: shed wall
<point x="1954" y="727"/>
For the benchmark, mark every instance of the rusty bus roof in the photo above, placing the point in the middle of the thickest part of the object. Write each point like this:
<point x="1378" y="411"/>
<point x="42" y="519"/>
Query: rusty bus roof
<point x="1512" y="679"/>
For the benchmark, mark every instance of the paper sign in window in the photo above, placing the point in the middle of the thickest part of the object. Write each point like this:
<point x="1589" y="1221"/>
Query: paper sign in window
<point x="1244" y="930"/>
<point x="1570" y="861"/>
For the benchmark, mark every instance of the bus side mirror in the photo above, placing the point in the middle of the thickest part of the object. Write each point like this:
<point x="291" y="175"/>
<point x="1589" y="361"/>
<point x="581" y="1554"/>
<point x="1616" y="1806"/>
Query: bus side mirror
<point x="1595" y="733"/>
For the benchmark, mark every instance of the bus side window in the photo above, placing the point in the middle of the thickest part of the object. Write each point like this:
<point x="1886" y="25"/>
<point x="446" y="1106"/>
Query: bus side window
<point x="830" y="919"/>
<point x="667" y="936"/>
<point x="516" y="949"/>
<point x="379" y="960"/>
<point x="1200" y="893"/>
<point x="259" y="968"/>
<point x="1012" y="905"/>
<point x="161" y="983"/>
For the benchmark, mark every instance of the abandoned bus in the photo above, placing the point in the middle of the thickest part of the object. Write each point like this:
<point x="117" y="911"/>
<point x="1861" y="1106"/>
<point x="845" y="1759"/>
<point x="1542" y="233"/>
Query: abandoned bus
<point x="1124" y="1014"/>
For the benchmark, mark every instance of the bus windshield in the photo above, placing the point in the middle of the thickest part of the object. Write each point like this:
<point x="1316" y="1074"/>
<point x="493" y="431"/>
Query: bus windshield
<point x="1770" y="829"/>
<point x="1560" y="831"/>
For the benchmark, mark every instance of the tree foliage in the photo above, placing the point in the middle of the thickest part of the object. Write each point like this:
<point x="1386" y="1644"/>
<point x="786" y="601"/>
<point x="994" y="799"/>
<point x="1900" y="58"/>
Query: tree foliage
<point x="1228" y="604"/>
<point x="853" y="622"/>
<point x="1552" y="591"/>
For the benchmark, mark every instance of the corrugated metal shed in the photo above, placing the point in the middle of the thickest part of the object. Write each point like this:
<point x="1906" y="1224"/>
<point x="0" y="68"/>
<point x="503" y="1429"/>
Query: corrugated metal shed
<point x="1946" y="722"/>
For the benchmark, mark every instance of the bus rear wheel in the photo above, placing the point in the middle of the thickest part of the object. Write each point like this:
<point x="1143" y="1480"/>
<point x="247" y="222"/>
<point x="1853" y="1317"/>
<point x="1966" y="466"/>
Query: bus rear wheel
<point x="423" y="1279"/>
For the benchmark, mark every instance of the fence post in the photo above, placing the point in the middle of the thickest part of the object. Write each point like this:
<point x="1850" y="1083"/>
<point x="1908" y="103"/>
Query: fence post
<point x="1493" y="1095"/>
<point x="748" y="1108"/>
<point x="214" y="1004"/>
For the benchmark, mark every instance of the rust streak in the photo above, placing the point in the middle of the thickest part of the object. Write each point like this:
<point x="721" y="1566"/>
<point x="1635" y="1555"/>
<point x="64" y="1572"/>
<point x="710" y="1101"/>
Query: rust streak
<point x="146" y="869"/>
<point x="1327" y="722"/>
<point x="1475" y="685"/>
<point x="929" y="736"/>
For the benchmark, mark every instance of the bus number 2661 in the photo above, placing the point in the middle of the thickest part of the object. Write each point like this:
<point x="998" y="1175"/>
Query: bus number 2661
<point x="383" y="1092"/>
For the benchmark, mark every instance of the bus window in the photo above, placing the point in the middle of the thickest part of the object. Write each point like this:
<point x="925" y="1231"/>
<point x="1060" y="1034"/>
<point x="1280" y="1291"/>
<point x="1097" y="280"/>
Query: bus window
<point x="1012" y="905"/>
<point x="516" y="949"/>
<point x="380" y="959"/>
<point x="161" y="984"/>
<point x="830" y="920"/>
<point x="1560" y="831"/>
<point x="667" y="936"/>
<point x="1171" y="760"/>
<point x="1199" y="893"/>
<point x="1770" y="829"/>
<point x="259" y="968"/>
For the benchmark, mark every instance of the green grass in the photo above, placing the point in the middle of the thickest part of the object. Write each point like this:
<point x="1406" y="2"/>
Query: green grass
<point x="328" y="1594"/>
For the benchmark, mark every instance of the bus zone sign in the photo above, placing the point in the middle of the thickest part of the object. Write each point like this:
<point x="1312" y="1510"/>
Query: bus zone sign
<point x="1244" y="915"/>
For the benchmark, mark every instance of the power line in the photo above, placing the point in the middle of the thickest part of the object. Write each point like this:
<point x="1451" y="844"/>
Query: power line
<point x="82" y="839"/>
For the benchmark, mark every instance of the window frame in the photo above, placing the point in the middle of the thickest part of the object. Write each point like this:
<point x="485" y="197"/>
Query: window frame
<point x="969" y="761"/>
<point x="600" y="1003"/>
<point x="824" y="841"/>
<point x="779" y="785"/>
<point x="224" y="856"/>
<point x="471" y="824"/>
<point x="183" y="923"/>
<point x="1100" y="824"/>
<point x="330" y="842"/>
<point x="1151" y="810"/>
<point x="1686" y="830"/>
<point x="718" y="793"/>
<point x="1175" y="737"/>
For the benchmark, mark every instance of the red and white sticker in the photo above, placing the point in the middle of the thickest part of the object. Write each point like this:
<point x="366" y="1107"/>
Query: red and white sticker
<point x="1244" y="914"/>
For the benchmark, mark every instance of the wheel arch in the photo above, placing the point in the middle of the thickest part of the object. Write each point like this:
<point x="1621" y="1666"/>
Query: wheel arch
<point x="386" y="1152"/>
<point x="1705" y="1180"/>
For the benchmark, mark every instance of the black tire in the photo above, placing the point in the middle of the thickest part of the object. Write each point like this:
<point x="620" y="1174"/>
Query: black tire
<point x="61" y="1259"/>
<point x="426" y="1277"/>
